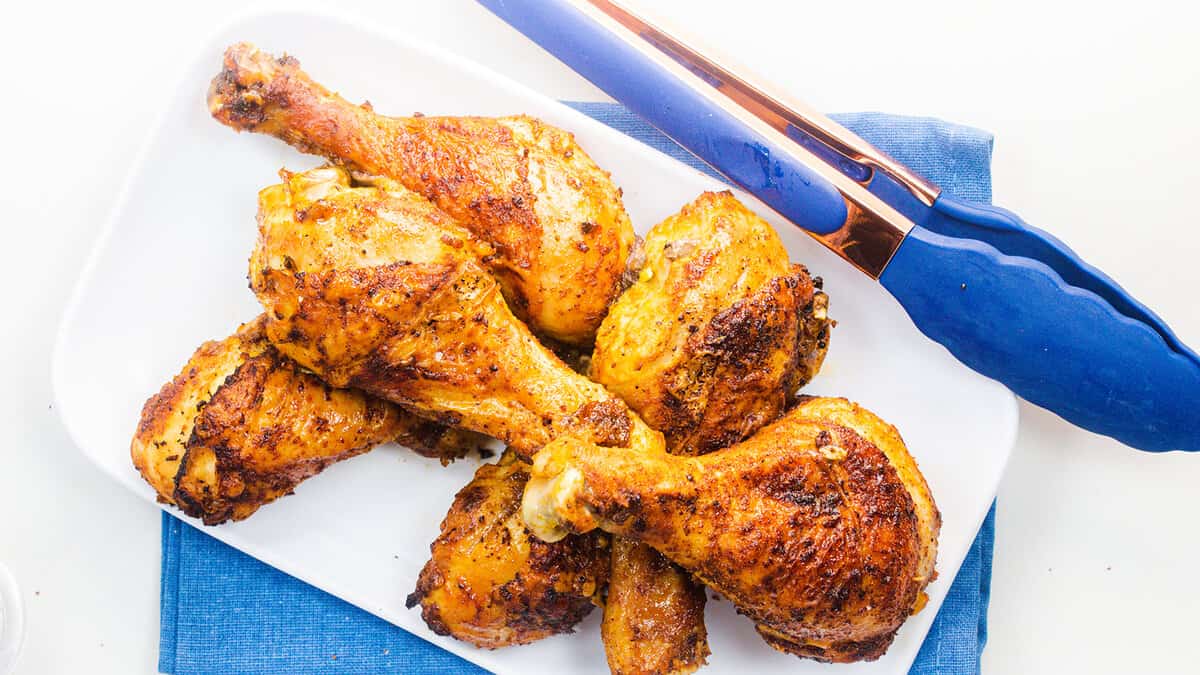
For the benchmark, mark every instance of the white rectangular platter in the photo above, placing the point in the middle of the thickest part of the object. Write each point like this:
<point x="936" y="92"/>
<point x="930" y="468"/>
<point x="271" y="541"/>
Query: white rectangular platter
<point x="169" y="271"/>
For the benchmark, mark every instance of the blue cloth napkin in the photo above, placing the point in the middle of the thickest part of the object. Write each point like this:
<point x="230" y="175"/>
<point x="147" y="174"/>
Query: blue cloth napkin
<point x="225" y="612"/>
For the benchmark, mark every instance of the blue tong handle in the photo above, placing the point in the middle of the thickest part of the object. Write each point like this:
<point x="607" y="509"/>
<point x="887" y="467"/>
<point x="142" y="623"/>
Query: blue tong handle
<point x="1009" y="301"/>
<point x="1017" y="305"/>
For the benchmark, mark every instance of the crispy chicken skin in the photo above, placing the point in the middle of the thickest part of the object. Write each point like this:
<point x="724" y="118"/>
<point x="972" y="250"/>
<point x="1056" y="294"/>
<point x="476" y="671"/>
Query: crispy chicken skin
<point x="560" y="232"/>
<point x="809" y="527"/>
<point x="711" y="341"/>
<point x="709" y="345"/>
<point x="887" y="438"/>
<point x="370" y="286"/>
<point x="241" y="425"/>
<point x="498" y="585"/>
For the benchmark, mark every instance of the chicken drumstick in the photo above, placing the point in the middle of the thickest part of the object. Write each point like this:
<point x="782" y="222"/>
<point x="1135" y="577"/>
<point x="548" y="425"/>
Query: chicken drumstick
<point x="560" y="234"/>
<point x="824" y="534"/>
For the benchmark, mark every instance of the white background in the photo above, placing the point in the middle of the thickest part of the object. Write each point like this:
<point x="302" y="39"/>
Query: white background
<point x="1095" y="116"/>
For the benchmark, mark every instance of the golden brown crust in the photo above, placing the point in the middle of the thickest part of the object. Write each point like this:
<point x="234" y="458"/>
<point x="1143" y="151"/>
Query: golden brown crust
<point x="887" y="438"/>
<point x="241" y="426"/>
<point x="560" y="232"/>
<point x="718" y="332"/>
<point x="167" y="418"/>
<point x="375" y="289"/>
<point x="267" y="428"/>
<point x="807" y="527"/>
<point x="495" y="585"/>
<point x="654" y="614"/>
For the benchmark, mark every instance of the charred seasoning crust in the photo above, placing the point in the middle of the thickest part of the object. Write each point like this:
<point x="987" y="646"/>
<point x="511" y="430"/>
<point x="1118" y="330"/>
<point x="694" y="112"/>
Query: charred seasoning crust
<point x="870" y="504"/>
<point x="438" y="441"/>
<point x="846" y="651"/>
<point x="606" y="423"/>
<point x="220" y="428"/>
<point x="552" y="588"/>
<point x="731" y="385"/>
<point x="249" y="85"/>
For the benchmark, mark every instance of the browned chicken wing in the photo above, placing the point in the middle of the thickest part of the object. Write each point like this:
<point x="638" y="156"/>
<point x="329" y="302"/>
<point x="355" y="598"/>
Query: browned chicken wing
<point x="560" y="232"/>
<point x="710" y="344"/>
<point x="241" y="425"/>
<point x="493" y="584"/>
<point x="817" y="531"/>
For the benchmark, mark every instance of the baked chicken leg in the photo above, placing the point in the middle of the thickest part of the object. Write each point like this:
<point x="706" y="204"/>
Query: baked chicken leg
<point x="561" y="237"/>
<point x="241" y="426"/>
<point x="710" y="344"/>
<point x="822" y="533"/>
<point x="371" y="286"/>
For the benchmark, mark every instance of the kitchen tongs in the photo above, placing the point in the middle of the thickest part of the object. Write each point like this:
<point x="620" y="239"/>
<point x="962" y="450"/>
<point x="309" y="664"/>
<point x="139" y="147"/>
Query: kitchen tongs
<point x="1008" y="300"/>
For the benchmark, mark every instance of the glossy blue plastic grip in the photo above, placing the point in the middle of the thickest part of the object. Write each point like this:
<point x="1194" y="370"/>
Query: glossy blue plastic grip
<point x="1010" y="235"/>
<point x="654" y="94"/>
<point x="1059" y="346"/>
<point x="1128" y="376"/>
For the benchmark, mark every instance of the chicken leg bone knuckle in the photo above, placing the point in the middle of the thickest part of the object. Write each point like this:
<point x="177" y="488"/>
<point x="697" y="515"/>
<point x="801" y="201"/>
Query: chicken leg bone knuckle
<point x="709" y="344"/>
<point x="241" y="426"/>
<point x="561" y="235"/>
<point x="809" y="527"/>
<point x="380" y="290"/>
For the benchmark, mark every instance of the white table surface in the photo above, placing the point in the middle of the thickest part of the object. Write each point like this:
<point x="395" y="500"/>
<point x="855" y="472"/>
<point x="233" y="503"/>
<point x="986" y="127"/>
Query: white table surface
<point x="1094" y="112"/>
